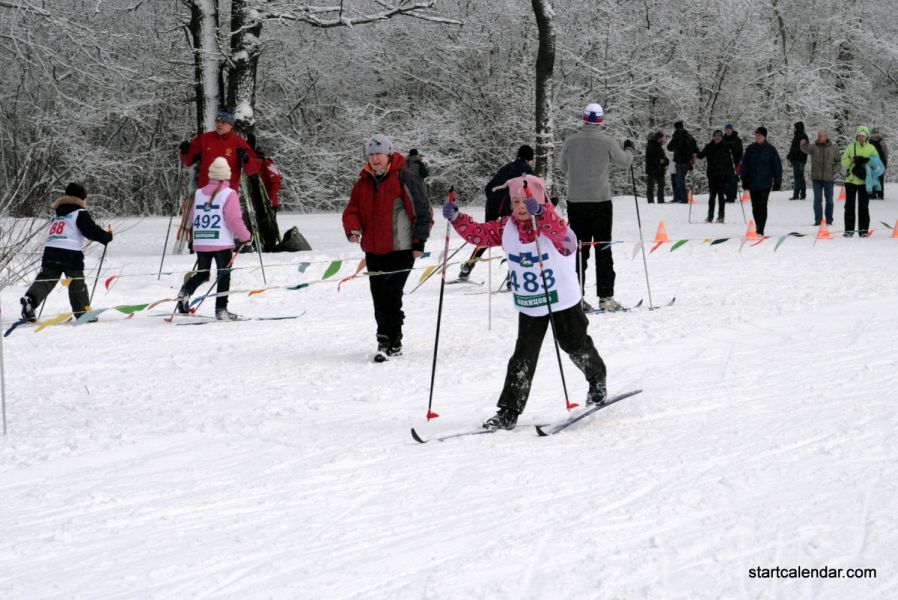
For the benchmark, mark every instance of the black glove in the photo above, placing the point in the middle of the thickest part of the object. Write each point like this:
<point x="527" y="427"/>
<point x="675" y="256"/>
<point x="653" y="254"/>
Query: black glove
<point x="777" y="185"/>
<point x="185" y="147"/>
<point x="628" y="145"/>
<point x="242" y="155"/>
<point x="861" y="160"/>
<point x="554" y="200"/>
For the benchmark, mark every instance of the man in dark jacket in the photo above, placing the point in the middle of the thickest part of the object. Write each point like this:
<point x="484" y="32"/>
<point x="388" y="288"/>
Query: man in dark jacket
<point x="720" y="171"/>
<point x="415" y="163"/>
<point x="63" y="255"/>
<point x="798" y="160"/>
<point x="389" y="215"/>
<point x="880" y="144"/>
<point x="498" y="202"/>
<point x="761" y="171"/>
<point x="655" y="167"/>
<point x="734" y="143"/>
<point x="684" y="148"/>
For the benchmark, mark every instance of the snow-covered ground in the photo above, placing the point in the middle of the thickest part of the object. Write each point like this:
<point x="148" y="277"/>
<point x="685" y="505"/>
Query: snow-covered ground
<point x="272" y="459"/>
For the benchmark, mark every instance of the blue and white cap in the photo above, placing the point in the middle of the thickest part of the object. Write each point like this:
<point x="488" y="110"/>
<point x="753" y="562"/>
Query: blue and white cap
<point x="379" y="144"/>
<point x="593" y="113"/>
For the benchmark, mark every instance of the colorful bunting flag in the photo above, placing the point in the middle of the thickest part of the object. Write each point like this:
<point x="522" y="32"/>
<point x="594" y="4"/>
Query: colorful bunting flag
<point x="332" y="269"/>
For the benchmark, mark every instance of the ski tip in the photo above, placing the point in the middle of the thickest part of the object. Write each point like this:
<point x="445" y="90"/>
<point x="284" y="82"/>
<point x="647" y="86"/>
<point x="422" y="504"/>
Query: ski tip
<point x="540" y="431"/>
<point x="417" y="437"/>
<point x="638" y="304"/>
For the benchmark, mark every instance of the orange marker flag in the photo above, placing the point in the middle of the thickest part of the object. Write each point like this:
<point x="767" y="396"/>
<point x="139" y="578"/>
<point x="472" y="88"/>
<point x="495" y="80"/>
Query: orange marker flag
<point x="895" y="231"/>
<point x="842" y="193"/>
<point x="751" y="233"/>
<point x="823" y="233"/>
<point x="661" y="235"/>
<point x="746" y="197"/>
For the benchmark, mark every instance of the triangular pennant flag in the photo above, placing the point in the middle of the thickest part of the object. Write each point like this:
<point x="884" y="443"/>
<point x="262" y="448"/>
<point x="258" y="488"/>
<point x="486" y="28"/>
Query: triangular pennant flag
<point x="870" y="233"/>
<point x="719" y="241"/>
<point x="779" y="242"/>
<point x="332" y="269"/>
<point x="109" y="281"/>
<point x="89" y="315"/>
<point x="742" y="245"/>
<point x="54" y="321"/>
<point x="678" y="244"/>
<point x="67" y="282"/>
<point x="425" y="255"/>
<point x="135" y="308"/>
<point x="14" y="325"/>
<point x="655" y="247"/>
<point x="884" y="224"/>
<point x="636" y="247"/>
<point x="661" y="235"/>
<point x="262" y="290"/>
<point x="303" y="266"/>
<point x="428" y="272"/>
<point x="298" y="287"/>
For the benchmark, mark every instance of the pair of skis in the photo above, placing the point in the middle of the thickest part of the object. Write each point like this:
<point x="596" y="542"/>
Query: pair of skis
<point x="599" y="311"/>
<point x="541" y="430"/>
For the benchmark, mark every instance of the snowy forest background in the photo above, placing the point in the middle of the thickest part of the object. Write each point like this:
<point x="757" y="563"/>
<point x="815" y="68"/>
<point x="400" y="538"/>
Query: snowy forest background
<point x="104" y="90"/>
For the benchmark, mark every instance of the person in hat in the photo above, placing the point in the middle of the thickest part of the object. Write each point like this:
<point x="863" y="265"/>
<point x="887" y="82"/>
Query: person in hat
<point x="684" y="148"/>
<point x="557" y="246"/>
<point x="824" y="168"/>
<point x="883" y="149"/>
<point x="855" y="158"/>
<point x="224" y="141"/>
<point x="586" y="158"/>
<point x="655" y="167"/>
<point x="498" y="203"/>
<point x="798" y="160"/>
<point x="762" y="171"/>
<point x="62" y="252"/>
<point x="389" y="215"/>
<point x="217" y="221"/>
<point x="734" y="144"/>
<point x="719" y="171"/>
<point x="414" y="162"/>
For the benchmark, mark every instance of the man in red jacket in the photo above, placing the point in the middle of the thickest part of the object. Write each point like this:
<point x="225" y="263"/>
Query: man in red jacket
<point x="389" y="215"/>
<point x="208" y="146"/>
<point x="271" y="178"/>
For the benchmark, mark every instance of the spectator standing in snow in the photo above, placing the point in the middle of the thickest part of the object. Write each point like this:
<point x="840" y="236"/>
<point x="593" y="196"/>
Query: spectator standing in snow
<point x="271" y="177"/>
<point x="587" y="157"/>
<point x="824" y="167"/>
<point x="671" y="170"/>
<point x="558" y="246"/>
<point x="655" y="167"/>
<point x="62" y="252"/>
<point x="798" y="159"/>
<point x="879" y="143"/>
<point x="720" y="171"/>
<point x="761" y="171"/>
<point x="224" y="141"/>
<point x="684" y="148"/>
<point x="855" y="158"/>
<point x="734" y="143"/>
<point x="498" y="203"/>
<point x="217" y="221"/>
<point x="388" y="214"/>
<point x="415" y="163"/>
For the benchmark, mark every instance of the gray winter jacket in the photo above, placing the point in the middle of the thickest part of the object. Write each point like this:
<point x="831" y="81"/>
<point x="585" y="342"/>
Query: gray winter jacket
<point x="825" y="160"/>
<point x="586" y="157"/>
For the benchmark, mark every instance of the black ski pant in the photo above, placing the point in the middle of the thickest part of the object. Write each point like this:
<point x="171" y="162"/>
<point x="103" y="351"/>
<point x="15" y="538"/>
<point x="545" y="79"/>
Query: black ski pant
<point x="570" y="325"/>
<point x="591" y="222"/>
<point x="46" y="281"/>
<point x="859" y="194"/>
<point x="651" y="182"/>
<point x="731" y="188"/>
<point x="204" y="260"/>
<point x="717" y="190"/>
<point x="759" y="208"/>
<point x="387" y="290"/>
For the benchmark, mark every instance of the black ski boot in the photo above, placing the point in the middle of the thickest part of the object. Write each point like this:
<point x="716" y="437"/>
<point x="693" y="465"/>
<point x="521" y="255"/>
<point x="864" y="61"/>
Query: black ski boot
<point x="597" y="393"/>
<point x="183" y="305"/>
<point x="28" y="308"/>
<point x="506" y="418"/>
<point x="383" y="349"/>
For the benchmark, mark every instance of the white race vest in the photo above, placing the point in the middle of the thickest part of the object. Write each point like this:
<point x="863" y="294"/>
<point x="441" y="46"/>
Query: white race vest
<point x="209" y="226"/>
<point x="64" y="232"/>
<point x="526" y="281"/>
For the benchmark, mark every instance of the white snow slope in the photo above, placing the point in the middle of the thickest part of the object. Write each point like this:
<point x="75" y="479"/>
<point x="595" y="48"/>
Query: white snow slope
<point x="272" y="459"/>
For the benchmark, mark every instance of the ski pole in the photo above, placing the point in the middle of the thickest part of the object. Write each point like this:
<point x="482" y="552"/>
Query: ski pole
<point x="442" y="268"/>
<point x="436" y="341"/>
<point x="542" y="271"/>
<point x="3" y="377"/>
<point x="489" y="287"/>
<point x="90" y="301"/>
<point x="645" y="263"/>
<point x="171" y="217"/>
<point x="741" y="204"/>
<point x="246" y="192"/>
<point x="689" y="195"/>
<point x="218" y="276"/>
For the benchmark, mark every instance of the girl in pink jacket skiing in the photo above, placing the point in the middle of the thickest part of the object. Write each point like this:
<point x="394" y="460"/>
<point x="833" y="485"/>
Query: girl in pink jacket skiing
<point x="556" y="260"/>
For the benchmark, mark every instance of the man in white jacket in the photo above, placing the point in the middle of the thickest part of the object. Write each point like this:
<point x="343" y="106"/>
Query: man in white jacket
<point x="586" y="157"/>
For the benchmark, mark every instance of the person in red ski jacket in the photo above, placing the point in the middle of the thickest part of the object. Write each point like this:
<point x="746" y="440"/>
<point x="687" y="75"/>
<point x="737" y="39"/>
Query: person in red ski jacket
<point x="224" y="141"/>
<point x="271" y="178"/>
<point x="389" y="215"/>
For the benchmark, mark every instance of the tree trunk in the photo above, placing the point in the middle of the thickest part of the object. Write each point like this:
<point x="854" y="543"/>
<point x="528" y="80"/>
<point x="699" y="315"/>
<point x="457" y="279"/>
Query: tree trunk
<point x="545" y="66"/>
<point x="245" y="51"/>
<point x="203" y="28"/>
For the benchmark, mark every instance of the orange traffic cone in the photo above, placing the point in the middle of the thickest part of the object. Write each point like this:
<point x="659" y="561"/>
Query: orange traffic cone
<point x="823" y="233"/>
<point x="661" y="235"/>
<point x="746" y="197"/>
<point x="842" y="193"/>
<point x="895" y="231"/>
<point x="752" y="233"/>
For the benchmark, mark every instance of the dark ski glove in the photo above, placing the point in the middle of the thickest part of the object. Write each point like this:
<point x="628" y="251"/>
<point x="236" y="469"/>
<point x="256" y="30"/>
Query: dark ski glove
<point x="628" y="145"/>
<point x="860" y="159"/>
<point x="185" y="147"/>
<point x="242" y="154"/>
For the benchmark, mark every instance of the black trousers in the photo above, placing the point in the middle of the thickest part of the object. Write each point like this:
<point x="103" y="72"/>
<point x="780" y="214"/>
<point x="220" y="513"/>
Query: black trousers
<point x="203" y="265"/>
<point x="387" y="290"/>
<point x="592" y="221"/>
<point x="570" y="325"/>
<point x="46" y="281"/>
<point x="718" y="191"/>
<point x="651" y="182"/>
<point x="759" y="208"/>
<point x="858" y="192"/>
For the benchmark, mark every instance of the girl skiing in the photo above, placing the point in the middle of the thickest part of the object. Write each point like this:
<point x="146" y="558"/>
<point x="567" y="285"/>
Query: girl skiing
<point x="557" y="247"/>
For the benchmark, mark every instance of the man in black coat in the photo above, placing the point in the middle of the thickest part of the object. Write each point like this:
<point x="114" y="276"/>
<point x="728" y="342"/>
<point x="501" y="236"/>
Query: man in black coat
<point x="684" y="148"/>
<point x="498" y="202"/>
<point x="734" y="143"/>
<point x="720" y="171"/>
<point x="798" y="159"/>
<point x="656" y="163"/>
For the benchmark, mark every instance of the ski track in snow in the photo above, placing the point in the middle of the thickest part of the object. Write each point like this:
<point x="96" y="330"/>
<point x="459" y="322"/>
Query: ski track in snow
<point x="271" y="459"/>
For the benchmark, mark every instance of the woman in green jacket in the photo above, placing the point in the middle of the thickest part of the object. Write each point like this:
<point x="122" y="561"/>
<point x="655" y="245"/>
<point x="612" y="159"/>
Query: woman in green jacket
<point x="855" y="159"/>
